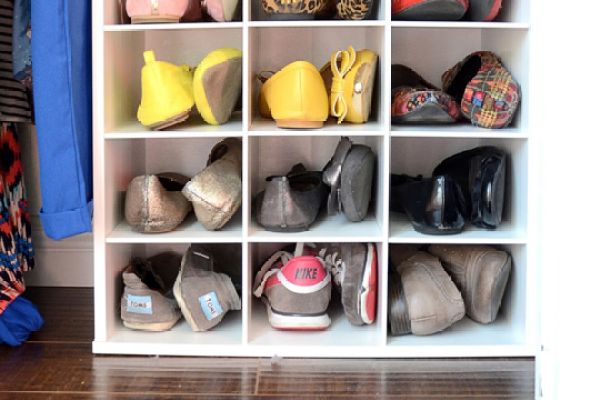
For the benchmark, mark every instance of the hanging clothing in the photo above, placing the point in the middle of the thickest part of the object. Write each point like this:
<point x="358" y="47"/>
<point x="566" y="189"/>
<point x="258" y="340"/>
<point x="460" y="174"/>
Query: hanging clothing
<point x="21" y="52"/>
<point x="62" y="92"/>
<point x="14" y="99"/>
<point x="16" y="248"/>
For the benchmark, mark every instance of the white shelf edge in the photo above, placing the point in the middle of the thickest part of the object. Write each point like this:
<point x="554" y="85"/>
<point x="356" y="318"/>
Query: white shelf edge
<point x="171" y="26"/>
<point x="436" y="133"/>
<point x="250" y="350"/>
<point x="460" y="25"/>
<point x="282" y="238"/>
<point x="313" y="132"/>
<point x="316" y="24"/>
<point x="171" y="135"/>
<point x="457" y="239"/>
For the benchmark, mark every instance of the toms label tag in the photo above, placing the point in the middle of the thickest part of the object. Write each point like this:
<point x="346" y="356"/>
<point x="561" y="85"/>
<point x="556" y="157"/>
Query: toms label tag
<point x="210" y="305"/>
<point x="139" y="304"/>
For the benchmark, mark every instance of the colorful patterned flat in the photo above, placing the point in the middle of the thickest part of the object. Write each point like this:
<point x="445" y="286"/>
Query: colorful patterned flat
<point x="414" y="100"/>
<point x="487" y="92"/>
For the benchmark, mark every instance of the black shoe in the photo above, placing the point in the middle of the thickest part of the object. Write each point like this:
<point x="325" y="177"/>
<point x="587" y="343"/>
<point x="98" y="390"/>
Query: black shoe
<point x="481" y="175"/>
<point x="434" y="206"/>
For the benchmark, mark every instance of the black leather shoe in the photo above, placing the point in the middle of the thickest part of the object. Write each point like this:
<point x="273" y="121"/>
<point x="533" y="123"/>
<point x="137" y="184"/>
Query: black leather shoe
<point x="291" y="203"/>
<point x="434" y="206"/>
<point x="481" y="175"/>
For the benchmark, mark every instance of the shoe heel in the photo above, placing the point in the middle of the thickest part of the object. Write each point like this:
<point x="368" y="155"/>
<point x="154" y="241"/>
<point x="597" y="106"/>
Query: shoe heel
<point x="155" y="19"/>
<point x="297" y="124"/>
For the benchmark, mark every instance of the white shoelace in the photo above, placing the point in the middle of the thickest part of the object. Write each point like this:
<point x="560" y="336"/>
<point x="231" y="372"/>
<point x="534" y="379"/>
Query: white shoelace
<point x="334" y="264"/>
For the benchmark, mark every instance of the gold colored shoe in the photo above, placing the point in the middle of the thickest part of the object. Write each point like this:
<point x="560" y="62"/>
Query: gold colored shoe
<point x="351" y="76"/>
<point x="167" y="97"/>
<point x="295" y="97"/>
<point x="216" y="192"/>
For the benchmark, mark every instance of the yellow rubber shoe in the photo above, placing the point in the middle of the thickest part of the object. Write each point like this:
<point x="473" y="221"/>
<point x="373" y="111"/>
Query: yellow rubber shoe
<point x="295" y="97"/>
<point x="218" y="85"/>
<point x="166" y="93"/>
<point x="350" y="77"/>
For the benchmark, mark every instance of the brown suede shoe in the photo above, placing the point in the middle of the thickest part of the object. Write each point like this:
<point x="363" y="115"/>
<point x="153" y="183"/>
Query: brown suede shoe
<point x="216" y="192"/>
<point x="428" y="301"/>
<point x="154" y="203"/>
<point x="481" y="274"/>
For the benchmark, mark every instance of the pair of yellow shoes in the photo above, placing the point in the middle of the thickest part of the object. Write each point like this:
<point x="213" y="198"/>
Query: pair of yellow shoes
<point x="170" y="91"/>
<point x="297" y="95"/>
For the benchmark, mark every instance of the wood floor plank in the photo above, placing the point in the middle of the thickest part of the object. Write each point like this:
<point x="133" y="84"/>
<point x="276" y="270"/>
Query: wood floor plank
<point x="57" y="363"/>
<point x="68" y="314"/>
<point x="61" y="367"/>
<point x="507" y="378"/>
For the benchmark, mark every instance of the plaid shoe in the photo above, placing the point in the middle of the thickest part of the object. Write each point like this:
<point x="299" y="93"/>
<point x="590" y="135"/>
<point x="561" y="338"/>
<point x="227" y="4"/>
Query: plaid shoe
<point x="487" y="92"/>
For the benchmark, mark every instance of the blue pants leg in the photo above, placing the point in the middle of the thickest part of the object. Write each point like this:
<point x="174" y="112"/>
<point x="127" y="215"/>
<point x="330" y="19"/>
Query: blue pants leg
<point x="62" y="85"/>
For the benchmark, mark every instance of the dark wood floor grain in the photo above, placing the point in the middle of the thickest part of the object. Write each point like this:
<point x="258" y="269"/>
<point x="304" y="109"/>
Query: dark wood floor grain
<point x="57" y="363"/>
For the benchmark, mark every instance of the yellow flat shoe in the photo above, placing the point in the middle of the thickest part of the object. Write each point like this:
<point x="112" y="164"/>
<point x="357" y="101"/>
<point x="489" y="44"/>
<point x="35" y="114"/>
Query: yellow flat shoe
<point x="218" y="85"/>
<point x="295" y="97"/>
<point x="166" y="93"/>
<point x="351" y="76"/>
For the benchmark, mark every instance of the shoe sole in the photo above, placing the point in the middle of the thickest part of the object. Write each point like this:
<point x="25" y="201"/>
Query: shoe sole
<point x="153" y="19"/>
<point x="187" y="314"/>
<point x="171" y="121"/>
<point x="368" y="291"/>
<point x="490" y="298"/>
<point x="357" y="172"/>
<point x="297" y="322"/>
<point x="427" y="114"/>
<point x="151" y="327"/>
<point x="484" y="10"/>
<point x="433" y="10"/>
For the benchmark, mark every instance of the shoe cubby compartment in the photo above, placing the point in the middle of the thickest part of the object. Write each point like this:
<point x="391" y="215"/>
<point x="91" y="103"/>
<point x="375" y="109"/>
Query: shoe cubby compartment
<point x="276" y="155"/>
<point x="112" y="16"/>
<point x="122" y="77"/>
<point x="511" y="334"/>
<point x="128" y="158"/>
<point x="181" y="339"/>
<point x="419" y="156"/>
<point x="275" y="47"/>
<point x="432" y="51"/>
<point x="378" y="12"/>
<point x="326" y="343"/>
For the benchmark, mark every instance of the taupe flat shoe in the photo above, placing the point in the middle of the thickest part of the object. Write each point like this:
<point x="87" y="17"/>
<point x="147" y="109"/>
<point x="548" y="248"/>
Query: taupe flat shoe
<point x="427" y="301"/>
<point x="481" y="274"/>
<point x="154" y="203"/>
<point x="216" y="192"/>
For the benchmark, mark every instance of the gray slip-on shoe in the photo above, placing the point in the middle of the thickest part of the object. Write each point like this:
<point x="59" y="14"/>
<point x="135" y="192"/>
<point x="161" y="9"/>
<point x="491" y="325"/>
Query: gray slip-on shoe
<point x="204" y="296"/>
<point x="428" y="297"/>
<point x="354" y="270"/>
<point x="481" y="274"/>
<point x="349" y="174"/>
<point x="147" y="302"/>
<point x="154" y="203"/>
<point x="290" y="203"/>
<point x="216" y="192"/>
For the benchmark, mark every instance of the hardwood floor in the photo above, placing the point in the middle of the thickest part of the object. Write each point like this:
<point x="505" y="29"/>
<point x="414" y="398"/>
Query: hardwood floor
<point x="57" y="363"/>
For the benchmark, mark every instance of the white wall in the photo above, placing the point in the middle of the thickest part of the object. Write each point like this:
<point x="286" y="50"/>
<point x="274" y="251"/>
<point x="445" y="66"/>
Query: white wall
<point x="67" y="262"/>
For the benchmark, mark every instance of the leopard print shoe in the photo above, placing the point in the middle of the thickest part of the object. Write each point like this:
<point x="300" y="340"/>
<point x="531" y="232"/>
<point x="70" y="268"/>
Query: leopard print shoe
<point x="296" y="9"/>
<point x="354" y="9"/>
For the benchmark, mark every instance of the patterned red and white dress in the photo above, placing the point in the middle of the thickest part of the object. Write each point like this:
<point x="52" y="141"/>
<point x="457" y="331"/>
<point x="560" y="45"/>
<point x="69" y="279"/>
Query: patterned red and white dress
<point x="16" y="248"/>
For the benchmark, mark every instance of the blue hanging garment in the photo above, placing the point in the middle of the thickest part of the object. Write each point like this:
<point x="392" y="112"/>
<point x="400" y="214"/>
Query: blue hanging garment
<point x="62" y="92"/>
<point x="18" y="321"/>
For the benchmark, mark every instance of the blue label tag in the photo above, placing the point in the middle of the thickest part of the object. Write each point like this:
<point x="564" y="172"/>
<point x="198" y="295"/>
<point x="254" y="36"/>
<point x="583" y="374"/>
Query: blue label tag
<point x="139" y="304"/>
<point x="210" y="305"/>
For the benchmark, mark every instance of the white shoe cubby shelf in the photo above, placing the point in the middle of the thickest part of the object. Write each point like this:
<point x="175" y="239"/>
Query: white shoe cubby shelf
<point x="125" y="149"/>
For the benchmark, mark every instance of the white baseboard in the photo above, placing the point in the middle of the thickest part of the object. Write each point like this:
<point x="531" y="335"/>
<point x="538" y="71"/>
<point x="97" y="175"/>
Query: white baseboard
<point x="64" y="263"/>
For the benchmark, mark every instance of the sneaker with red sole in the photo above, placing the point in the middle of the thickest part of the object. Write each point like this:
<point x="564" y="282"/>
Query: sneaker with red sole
<point x="354" y="270"/>
<point x="296" y="290"/>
